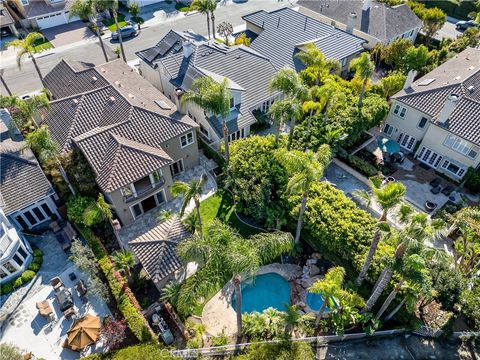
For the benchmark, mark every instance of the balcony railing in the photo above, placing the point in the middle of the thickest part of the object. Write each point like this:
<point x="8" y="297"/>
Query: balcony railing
<point x="144" y="190"/>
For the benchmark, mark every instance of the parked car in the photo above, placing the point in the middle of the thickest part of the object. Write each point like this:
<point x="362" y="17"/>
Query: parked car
<point x="464" y="24"/>
<point x="126" y="31"/>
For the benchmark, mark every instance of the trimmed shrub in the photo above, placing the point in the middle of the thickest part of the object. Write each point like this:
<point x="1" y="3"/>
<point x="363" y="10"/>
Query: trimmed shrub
<point x="37" y="253"/>
<point x="76" y="208"/>
<point x="34" y="266"/>
<point x="7" y="288"/>
<point x="472" y="180"/>
<point x="18" y="282"/>
<point x="362" y="166"/>
<point x="27" y="276"/>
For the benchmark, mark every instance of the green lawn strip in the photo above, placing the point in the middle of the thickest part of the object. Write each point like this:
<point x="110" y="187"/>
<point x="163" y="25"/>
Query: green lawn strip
<point x="110" y="23"/>
<point x="121" y="292"/>
<point x="42" y="44"/>
<point x="182" y="7"/>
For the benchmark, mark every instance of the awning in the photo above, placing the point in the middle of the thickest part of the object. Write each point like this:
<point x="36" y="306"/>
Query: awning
<point x="388" y="146"/>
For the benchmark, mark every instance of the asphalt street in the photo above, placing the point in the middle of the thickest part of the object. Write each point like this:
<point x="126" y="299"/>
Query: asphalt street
<point x="25" y="80"/>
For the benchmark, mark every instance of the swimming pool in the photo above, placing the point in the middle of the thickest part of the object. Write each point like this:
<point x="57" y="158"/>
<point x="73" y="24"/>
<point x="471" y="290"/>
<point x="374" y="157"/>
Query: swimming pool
<point x="315" y="302"/>
<point x="264" y="291"/>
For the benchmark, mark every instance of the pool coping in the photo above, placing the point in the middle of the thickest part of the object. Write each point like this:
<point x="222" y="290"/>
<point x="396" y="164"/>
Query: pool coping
<point x="218" y="312"/>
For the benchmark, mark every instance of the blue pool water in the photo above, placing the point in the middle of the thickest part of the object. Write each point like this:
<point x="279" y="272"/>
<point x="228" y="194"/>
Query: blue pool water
<point x="315" y="302"/>
<point x="264" y="291"/>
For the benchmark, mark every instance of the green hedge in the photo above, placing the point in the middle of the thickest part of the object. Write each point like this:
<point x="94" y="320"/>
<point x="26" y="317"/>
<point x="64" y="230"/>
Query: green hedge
<point x="454" y="8"/>
<point x="143" y="351"/>
<point x="211" y="153"/>
<point x="26" y="276"/>
<point x="362" y="166"/>
<point x="472" y="180"/>
<point x="135" y="320"/>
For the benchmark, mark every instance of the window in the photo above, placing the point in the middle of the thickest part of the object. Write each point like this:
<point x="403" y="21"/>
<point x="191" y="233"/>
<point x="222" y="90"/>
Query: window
<point x="157" y="176"/>
<point x="236" y="135"/>
<point x="461" y="146"/>
<point x="473" y="152"/>
<point x="186" y="139"/>
<point x="38" y="213"/>
<point x="387" y="129"/>
<point x="177" y="167"/>
<point x="406" y="141"/>
<point x="429" y="157"/>
<point x="137" y="210"/>
<point x="127" y="191"/>
<point x="47" y="210"/>
<point x="17" y="259"/>
<point x="8" y="265"/>
<point x="160" y="197"/>
<point x="399" y="111"/>
<point x="24" y="2"/>
<point x="204" y="131"/>
<point x="3" y="274"/>
<point x="232" y="102"/>
<point x="452" y="168"/>
<point x="22" y="252"/>
<point x="422" y="122"/>
<point x="30" y="217"/>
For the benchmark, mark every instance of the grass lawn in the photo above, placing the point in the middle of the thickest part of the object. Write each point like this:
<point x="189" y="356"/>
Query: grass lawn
<point x="220" y="206"/>
<point x="110" y="23"/>
<point x="182" y="7"/>
<point x="42" y="44"/>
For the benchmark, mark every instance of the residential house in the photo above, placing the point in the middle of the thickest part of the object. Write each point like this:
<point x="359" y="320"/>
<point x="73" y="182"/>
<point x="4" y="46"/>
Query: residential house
<point x="281" y="34"/>
<point x="437" y="117"/>
<point x="15" y="252"/>
<point x="26" y="196"/>
<point x="156" y="251"/>
<point x="181" y="57"/>
<point x="43" y="14"/>
<point x="7" y="24"/>
<point x="376" y="22"/>
<point x="129" y="132"/>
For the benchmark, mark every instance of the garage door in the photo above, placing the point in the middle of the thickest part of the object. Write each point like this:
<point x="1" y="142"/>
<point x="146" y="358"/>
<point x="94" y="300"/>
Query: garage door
<point x="52" y="20"/>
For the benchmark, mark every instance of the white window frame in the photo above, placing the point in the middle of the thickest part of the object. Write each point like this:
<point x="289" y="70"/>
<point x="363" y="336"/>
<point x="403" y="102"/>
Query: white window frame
<point x="183" y="167"/>
<point x="460" y="145"/>
<point x="187" y="141"/>
<point x="429" y="157"/>
<point x="459" y="173"/>
<point x="426" y="122"/>
<point x="400" y="111"/>
<point x="139" y="203"/>
<point x="385" y="129"/>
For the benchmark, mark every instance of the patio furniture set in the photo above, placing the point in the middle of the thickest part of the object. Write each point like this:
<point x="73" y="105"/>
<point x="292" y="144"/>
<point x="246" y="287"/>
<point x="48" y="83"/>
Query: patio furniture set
<point x="64" y="233"/>
<point x="435" y="189"/>
<point x="160" y="325"/>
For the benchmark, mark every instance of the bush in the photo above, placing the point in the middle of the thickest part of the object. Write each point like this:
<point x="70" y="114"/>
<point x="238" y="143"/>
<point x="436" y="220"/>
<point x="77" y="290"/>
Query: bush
<point x="211" y="153"/>
<point x="148" y="351"/>
<point x="76" y="208"/>
<point x="121" y="292"/>
<point x="472" y="180"/>
<point x="37" y="253"/>
<point x="27" y="276"/>
<point x="7" y="288"/>
<point x="17" y="282"/>
<point x="34" y="266"/>
<point x="362" y="166"/>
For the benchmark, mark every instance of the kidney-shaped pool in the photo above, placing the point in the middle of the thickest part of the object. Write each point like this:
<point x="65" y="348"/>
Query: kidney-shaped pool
<point x="264" y="291"/>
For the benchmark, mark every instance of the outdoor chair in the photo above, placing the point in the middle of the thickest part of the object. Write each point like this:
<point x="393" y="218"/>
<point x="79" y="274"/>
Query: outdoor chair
<point x="57" y="284"/>
<point x="44" y="308"/>
<point x="435" y="182"/>
<point x="436" y="190"/>
<point x="448" y="190"/>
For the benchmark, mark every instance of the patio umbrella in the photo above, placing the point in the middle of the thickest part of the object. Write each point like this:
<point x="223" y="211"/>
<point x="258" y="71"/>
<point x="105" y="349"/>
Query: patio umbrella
<point x="83" y="332"/>
<point x="388" y="146"/>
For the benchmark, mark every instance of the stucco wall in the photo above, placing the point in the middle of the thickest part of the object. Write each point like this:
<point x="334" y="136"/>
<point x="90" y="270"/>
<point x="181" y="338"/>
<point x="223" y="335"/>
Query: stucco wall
<point x="409" y="124"/>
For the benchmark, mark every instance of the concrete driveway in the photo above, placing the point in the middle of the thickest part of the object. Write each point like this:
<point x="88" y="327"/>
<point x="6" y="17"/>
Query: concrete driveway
<point x="68" y="34"/>
<point x="448" y="30"/>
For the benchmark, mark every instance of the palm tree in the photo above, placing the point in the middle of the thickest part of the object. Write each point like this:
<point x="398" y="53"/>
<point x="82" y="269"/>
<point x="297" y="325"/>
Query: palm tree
<point x="291" y="318"/>
<point x="288" y="82"/>
<point x="26" y="47"/>
<point x="386" y="197"/>
<point x="203" y="7"/>
<point x="282" y="111"/>
<point x="134" y="10"/>
<point x="87" y="9"/>
<point x="113" y="6"/>
<point x="191" y="191"/>
<point x="214" y="98"/>
<point x="304" y="169"/>
<point x="41" y="142"/>
<point x="314" y="59"/>
<point x="412" y="237"/>
<point x="364" y="68"/>
<point x="212" y="7"/>
<point x="222" y="254"/>
<point x="2" y="80"/>
<point x="98" y="212"/>
<point x="330" y="288"/>
<point x="123" y="261"/>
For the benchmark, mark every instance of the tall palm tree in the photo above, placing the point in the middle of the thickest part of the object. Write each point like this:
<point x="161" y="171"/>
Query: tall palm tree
<point x="41" y="142"/>
<point x="282" y="111"/>
<point x="412" y="237"/>
<point x="330" y="288"/>
<point x="191" y="191"/>
<point x="212" y="6"/>
<point x="98" y="212"/>
<point x="288" y="82"/>
<point x="2" y="80"/>
<point x="123" y="261"/>
<point x="113" y="6"/>
<point x="222" y="255"/>
<point x="364" y="68"/>
<point x="203" y="7"/>
<point x="387" y="197"/>
<point x="304" y="169"/>
<point x="26" y="47"/>
<point x="320" y="66"/>
<point x="87" y="9"/>
<point x="213" y="97"/>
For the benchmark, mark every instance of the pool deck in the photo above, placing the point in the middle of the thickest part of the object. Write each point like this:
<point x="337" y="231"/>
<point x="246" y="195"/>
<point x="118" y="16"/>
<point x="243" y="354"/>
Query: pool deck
<point x="219" y="314"/>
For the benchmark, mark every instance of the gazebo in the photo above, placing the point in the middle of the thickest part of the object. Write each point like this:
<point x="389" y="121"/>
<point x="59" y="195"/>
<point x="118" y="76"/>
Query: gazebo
<point x="83" y="333"/>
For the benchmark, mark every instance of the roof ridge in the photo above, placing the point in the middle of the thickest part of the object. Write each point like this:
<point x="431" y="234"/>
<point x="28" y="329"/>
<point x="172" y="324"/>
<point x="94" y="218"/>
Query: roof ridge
<point x="123" y="141"/>
<point x="165" y="117"/>
<point x="74" y="121"/>
<point x="79" y="94"/>
<point x="426" y="91"/>
<point x="98" y="129"/>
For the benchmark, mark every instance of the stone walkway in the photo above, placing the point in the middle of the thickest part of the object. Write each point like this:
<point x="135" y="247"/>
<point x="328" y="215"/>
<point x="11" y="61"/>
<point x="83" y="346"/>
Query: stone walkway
<point x="152" y="218"/>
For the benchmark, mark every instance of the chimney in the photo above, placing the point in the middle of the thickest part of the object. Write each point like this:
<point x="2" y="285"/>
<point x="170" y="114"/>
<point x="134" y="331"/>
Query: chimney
<point x="187" y="49"/>
<point x="367" y="4"/>
<point x="448" y="108"/>
<point x="410" y="77"/>
<point x="352" y="18"/>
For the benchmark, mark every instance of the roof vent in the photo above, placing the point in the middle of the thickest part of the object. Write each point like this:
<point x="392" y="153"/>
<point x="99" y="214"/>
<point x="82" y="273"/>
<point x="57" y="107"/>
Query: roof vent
<point x="103" y="70"/>
<point x="163" y="105"/>
<point x="131" y="96"/>
<point x="112" y="99"/>
<point x="94" y="78"/>
<point x="118" y="83"/>
<point x="75" y="101"/>
<point x="237" y="57"/>
<point x="471" y="88"/>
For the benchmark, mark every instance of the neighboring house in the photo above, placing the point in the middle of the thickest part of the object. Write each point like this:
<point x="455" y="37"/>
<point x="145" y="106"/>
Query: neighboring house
<point x="26" y="196"/>
<point x="130" y="133"/>
<point x="283" y="33"/>
<point x="15" y="252"/>
<point x="156" y="251"/>
<point x="7" y="24"/>
<point x="437" y="117"/>
<point x="43" y="13"/>
<point x="373" y="21"/>
<point x="181" y="57"/>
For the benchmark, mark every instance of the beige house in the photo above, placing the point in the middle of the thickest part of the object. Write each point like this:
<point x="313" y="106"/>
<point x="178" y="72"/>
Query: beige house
<point x="376" y="22"/>
<point x="130" y="133"/>
<point x="437" y="117"/>
<point x="43" y="14"/>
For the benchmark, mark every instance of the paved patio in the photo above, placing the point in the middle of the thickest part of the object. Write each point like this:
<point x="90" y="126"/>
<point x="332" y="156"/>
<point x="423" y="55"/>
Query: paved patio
<point x="152" y="218"/>
<point x="20" y="322"/>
